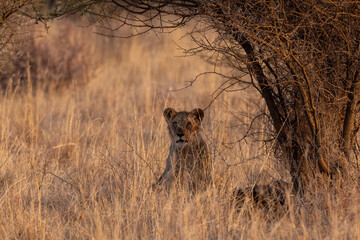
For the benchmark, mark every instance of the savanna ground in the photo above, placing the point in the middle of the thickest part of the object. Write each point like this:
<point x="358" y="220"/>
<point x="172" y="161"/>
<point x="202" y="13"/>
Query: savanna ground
<point x="78" y="157"/>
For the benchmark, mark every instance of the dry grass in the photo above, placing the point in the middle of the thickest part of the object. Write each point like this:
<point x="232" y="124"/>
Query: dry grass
<point x="78" y="163"/>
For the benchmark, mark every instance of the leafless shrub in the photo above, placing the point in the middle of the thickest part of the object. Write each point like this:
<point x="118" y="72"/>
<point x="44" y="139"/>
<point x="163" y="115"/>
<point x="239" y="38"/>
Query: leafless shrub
<point x="61" y="58"/>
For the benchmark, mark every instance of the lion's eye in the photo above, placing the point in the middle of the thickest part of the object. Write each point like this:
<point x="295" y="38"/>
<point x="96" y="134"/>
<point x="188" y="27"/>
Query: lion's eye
<point x="188" y="125"/>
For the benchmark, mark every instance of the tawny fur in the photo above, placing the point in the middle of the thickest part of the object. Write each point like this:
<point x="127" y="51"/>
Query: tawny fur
<point x="188" y="161"/>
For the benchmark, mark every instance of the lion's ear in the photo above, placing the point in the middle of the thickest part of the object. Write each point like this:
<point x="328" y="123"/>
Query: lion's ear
<point x="198" y="114"/>
<point x="169" y="113"/>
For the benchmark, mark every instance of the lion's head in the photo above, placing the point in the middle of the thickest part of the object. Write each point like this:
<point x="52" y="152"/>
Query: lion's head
<point x="183" y="126"/>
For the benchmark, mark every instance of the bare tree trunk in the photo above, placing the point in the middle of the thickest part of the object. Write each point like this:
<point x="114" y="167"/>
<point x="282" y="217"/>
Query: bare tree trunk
<point x="299" y="168"/>
<point x="348" y="126"/>
<point x="256" y="69"/>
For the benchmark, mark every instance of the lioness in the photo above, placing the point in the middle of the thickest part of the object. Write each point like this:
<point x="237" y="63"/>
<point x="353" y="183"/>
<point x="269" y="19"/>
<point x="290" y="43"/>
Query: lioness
<point x="188" y="160"/>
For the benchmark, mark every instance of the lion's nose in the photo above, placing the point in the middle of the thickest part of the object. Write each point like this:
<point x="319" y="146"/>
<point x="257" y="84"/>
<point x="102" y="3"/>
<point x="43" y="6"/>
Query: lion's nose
<point x="180" y="135"/>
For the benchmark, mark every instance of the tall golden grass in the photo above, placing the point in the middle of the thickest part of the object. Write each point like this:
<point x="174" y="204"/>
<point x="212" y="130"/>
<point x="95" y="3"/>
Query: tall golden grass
<point x="77" y="161"/>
